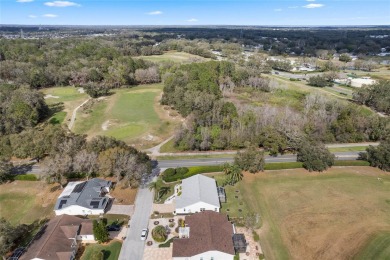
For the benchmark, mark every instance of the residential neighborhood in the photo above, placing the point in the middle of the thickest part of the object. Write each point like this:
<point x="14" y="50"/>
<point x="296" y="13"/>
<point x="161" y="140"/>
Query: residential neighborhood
<point x="194" y="130"/>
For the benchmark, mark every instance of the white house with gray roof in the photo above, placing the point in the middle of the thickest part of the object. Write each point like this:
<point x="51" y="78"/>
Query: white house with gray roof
<point x="84" y="198"/>
<point x="199" y="193"/>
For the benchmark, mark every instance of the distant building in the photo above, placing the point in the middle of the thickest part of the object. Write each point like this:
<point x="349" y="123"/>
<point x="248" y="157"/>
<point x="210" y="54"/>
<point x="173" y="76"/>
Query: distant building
<point x="207" y="235"/>
<point x="84" y="198"/>
<point x="199" y="193"/>
<point x="58" y="239"/>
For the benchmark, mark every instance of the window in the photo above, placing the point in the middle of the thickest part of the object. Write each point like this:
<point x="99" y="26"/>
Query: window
<point x="216" y="209"/>
<point x="202" y="209"/>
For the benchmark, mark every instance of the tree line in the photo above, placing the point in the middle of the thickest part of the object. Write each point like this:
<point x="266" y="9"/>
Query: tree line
<point x="214" y="122"/>
<point x="376" y="96"/>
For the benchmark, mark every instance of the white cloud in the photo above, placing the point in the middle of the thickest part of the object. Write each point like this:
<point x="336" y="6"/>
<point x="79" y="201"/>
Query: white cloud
<point x="61" y="4"/>
<point x="155" y="13"/>
<point x="32" y="16"/>
<point x="278" y="10"/>
<point x="192" y="20"/>
<point x="24" y="1"/>
<point x="310" y="6"/>
<point x="50" y="15"/>
<point x="293" y="7"/>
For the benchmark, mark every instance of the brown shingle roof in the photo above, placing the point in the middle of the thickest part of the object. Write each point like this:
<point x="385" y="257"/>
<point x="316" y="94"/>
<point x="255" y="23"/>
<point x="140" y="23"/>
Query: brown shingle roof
<point x="208" y="231"/>
<point x="55" y="241"/>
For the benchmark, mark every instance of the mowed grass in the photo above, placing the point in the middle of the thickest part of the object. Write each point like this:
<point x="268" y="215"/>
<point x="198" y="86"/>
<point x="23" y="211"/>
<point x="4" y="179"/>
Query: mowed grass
<point x="378" y="248"/>
<point x="23" y="202"/>
<point x="63" y="94"/>
<point x="110" y="251"/>
<point x="332" y="215"/>
<point x="180" y="57"/>
<point x="131" y="115"/>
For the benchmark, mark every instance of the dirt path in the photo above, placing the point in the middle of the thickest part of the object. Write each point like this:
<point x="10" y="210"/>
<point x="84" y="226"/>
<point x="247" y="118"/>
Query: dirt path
<point x="73" y="119"/>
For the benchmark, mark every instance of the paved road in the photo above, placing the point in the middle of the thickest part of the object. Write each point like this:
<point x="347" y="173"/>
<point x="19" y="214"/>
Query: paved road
<point x="133" y="246"/>
<point x="219" y="161"/>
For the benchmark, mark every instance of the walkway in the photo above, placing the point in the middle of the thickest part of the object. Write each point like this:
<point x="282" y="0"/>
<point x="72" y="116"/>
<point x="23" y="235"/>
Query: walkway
<point x="73" y="118"/>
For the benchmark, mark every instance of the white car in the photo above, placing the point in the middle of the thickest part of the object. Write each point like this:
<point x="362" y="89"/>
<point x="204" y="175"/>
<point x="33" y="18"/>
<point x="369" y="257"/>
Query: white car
<point x="144" y="234"/>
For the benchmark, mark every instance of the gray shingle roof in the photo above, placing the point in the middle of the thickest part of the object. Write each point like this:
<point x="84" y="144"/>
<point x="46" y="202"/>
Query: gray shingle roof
<point x="87" y="194"/>
<point x="198" y="188"/>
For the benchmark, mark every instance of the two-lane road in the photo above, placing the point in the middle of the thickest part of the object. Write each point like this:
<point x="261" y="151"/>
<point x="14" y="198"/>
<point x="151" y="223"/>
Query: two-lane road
<point x="219" y="161"/>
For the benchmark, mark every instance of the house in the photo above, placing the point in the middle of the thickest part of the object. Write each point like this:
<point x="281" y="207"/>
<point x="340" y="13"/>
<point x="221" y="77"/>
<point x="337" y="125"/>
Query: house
<point x="84" y="198"/>
<point x="199" y="193"/>
<point x="58" y="240"/>
<point x="208" y="235"/>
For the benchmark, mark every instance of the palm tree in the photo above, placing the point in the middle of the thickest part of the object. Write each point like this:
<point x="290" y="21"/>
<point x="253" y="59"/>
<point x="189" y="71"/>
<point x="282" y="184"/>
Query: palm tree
<point x="233" y="172"/>
<point x="163" y="191"/>
<point x="153" y="186"/>
<point x="159" y="233"/>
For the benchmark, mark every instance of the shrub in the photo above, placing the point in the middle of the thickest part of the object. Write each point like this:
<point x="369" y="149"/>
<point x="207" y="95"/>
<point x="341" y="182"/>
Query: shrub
<point x="256" y="237"/>
<point x="159" y="234"/>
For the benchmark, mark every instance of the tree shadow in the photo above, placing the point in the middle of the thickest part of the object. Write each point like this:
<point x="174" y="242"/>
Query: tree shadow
<point x="22" y="169"/>
<point x="106" y="254"/>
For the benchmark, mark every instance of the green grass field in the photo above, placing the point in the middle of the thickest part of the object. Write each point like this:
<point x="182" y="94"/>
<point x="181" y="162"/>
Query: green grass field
<point x="110" y="251"/>
<point x="63" y="94"/>
<point x="132" y="115"/>
<point x="174" y="56"/>
<point x="339" y="212"/>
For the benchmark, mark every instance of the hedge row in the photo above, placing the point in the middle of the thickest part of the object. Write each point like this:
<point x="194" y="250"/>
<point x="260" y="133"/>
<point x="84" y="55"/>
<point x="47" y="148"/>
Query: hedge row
<point x="283" y="165"/>
<point x="26" y="177"/>
<point x="170" y="175"/>
<point x="351" y="163"/>
<point x="167" y="243"/>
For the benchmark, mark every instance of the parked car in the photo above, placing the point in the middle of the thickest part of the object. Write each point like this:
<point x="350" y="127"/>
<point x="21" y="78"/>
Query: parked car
<point x="144" y="234"/>
<point x="113" y="227"/>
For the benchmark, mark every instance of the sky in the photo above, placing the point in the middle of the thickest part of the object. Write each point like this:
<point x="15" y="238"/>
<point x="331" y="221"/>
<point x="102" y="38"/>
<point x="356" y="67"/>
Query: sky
<point x="199" y="12"/>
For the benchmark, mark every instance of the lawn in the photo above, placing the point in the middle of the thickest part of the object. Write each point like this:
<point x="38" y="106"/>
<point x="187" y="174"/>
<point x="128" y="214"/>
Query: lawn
<point x="110" y="251"/>
<point x="174" y="56"/>
<point x="23" y="202"/>
<point x="338" y="214"/>
<point x="132" y="115"/>
<point x="348" y="149"/>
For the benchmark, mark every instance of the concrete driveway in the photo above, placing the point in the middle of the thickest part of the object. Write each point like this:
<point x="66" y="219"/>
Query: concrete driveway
<point x="133" y="246"/>
<point x="121" y="209"/>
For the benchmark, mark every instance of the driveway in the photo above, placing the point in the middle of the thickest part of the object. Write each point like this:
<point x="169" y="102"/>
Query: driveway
<point x="133" y="246"/>
<point x="121" y="209"/>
